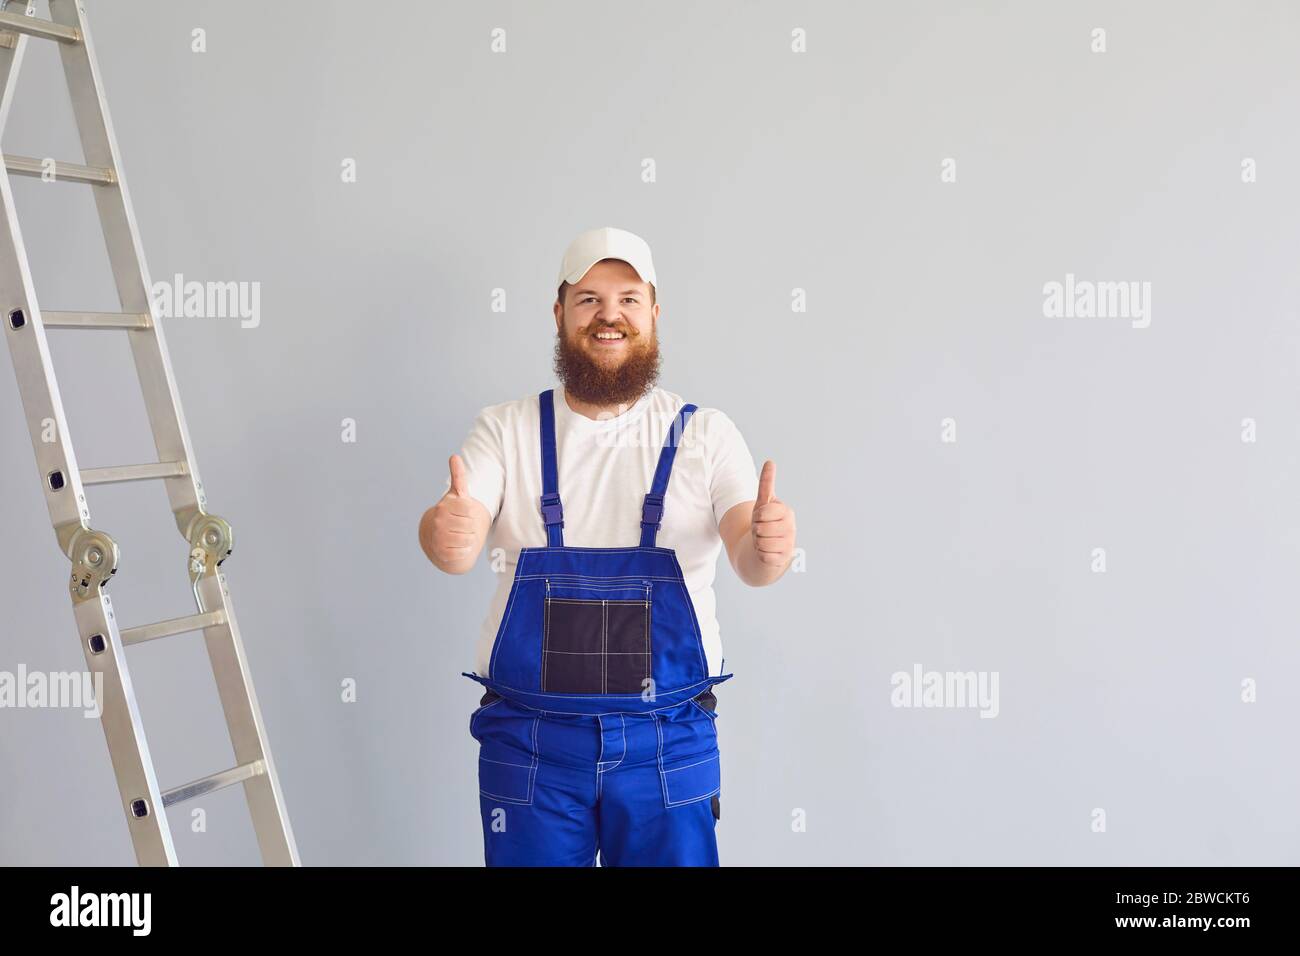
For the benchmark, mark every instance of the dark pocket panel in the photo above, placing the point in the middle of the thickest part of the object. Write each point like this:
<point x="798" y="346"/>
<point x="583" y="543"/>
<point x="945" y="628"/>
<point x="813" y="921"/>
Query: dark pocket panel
<point x="595" y="646"/>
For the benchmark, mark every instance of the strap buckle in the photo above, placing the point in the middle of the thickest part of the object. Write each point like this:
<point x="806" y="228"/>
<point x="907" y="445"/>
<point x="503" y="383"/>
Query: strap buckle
<point x="652" y="511"/>
<point x="552" y="510"/>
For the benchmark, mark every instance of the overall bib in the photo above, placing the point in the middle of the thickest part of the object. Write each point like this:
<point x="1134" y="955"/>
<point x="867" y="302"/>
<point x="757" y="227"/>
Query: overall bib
<point x="597" y="728"/>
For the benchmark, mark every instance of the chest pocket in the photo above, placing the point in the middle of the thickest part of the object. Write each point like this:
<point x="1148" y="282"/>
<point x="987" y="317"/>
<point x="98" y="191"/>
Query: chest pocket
<point x="596" y="637"/>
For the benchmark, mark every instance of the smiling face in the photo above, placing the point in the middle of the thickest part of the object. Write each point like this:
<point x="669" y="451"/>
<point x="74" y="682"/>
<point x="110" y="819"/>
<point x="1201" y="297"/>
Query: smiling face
<point x="606" y="349"/>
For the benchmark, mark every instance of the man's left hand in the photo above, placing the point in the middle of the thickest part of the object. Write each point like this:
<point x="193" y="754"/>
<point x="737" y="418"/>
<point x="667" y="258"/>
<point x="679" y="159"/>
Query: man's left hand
<point x="772" y="524"/>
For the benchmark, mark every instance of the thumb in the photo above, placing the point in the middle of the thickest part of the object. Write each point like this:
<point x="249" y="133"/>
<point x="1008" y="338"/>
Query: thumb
<point x="458" y="479"/>
<point x="766" y="483"/>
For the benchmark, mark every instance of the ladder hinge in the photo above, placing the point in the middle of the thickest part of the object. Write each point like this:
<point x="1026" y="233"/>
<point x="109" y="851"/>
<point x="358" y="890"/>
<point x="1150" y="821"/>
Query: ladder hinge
<point x="211" y="541"/>
<point x="94" y="560"/>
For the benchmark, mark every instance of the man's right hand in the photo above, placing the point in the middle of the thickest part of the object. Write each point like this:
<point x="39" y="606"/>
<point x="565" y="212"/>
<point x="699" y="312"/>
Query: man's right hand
<point x="453" y="531"/>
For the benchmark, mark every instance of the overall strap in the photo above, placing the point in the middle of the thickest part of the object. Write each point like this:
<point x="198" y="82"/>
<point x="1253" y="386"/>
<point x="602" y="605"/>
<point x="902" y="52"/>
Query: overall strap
<point x="652" y="511"/>
<point x="552" y="509"/>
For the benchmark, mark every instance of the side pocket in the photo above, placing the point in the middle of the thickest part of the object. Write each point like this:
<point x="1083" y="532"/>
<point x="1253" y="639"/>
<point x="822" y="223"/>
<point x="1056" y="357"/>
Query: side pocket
<point x="687" y="781"/>
<point x="508" y="757"/>
<point x="506" y="781"/>
<point x="690" y="766"/>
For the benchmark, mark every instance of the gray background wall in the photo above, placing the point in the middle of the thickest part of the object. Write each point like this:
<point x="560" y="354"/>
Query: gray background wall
<point x="776" y="171"/>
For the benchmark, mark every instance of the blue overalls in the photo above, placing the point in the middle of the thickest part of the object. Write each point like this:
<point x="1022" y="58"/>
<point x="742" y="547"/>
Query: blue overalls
<point x="597" y="728"/>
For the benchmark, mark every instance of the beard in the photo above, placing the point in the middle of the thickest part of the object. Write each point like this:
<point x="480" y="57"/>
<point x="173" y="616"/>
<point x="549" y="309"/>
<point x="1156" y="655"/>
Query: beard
<point x="590" y="381"/>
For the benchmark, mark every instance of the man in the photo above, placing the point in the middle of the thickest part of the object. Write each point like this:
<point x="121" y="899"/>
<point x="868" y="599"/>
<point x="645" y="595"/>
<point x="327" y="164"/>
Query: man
<point x="596" y="732"/>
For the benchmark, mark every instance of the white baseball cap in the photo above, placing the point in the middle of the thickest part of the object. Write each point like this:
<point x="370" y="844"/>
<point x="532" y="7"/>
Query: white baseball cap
<point x="606" y="243"/>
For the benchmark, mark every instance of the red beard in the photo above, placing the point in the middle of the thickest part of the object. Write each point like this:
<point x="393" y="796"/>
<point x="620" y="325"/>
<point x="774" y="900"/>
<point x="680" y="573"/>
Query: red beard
<point x="588" y="381"/>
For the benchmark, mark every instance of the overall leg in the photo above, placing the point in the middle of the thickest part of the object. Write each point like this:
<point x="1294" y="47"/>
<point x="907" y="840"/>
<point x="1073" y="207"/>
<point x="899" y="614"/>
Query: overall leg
<point x="536" y="787"/>
<point x="657" y="806"/>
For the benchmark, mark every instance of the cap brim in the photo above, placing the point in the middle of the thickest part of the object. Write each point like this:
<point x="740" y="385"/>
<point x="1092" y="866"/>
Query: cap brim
<point x="573" y="277"/>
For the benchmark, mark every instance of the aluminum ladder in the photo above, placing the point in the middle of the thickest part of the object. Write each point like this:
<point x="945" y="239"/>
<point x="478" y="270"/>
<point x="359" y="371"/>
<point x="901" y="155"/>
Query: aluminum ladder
<point x="94" y="555"/>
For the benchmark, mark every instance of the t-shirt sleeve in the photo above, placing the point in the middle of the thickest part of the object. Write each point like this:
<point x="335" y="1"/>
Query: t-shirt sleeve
<point x="484" y="456"/>
<point x="732" y="476"/>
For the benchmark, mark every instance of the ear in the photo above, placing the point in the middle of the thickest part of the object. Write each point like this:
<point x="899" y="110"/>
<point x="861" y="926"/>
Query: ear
<point x="559" y="316"/>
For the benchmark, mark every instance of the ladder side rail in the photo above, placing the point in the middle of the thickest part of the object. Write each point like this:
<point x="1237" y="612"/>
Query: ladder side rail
<point x="126" y="257"/>
<point x="234" y="682"/>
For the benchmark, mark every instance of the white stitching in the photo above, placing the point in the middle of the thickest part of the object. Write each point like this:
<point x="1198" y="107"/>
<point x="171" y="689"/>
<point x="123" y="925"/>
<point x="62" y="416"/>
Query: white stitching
<point x="504" y="798"/>
<point x="659" y="759"/>
<point x="688" y="766"/>
<point x="600" y="757"/>
<point x="682" y="803"/>
<point x="507" y="763"/>
<point x="622" y="722"/>
<point x="649" y="643"/>
<point x="593" y="600"/>
<point x="601" y="654"/>
<point x="633" y="584"/>
<point x="537" y="758"/>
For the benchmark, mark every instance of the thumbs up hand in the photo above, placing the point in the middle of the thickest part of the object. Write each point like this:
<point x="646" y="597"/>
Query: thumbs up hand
<point x="772" y="525"/>
<point x="451" y="531"/>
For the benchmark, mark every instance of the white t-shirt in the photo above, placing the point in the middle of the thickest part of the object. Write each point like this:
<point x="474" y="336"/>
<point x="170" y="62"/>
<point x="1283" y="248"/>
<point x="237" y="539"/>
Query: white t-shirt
<point x="605" y="469"/>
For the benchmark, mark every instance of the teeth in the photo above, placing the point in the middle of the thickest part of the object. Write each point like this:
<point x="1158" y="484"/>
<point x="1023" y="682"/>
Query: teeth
<point x="609" y="335"/>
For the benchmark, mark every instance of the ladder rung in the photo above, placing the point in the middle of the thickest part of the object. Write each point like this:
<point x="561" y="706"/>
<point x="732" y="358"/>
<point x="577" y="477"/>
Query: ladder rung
<point x="35" y="27"/>
<point x="177" y="625"/>
<point x="215" y="781"/>
<point x="160" y="469"/>
<point x="96" y="320"/>
<point x="63" y="172"/>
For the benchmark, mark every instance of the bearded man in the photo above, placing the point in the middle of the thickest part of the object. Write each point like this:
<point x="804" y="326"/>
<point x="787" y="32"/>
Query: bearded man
<point x="601" y="646"/>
